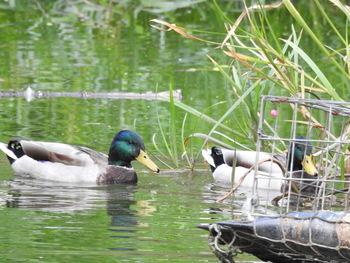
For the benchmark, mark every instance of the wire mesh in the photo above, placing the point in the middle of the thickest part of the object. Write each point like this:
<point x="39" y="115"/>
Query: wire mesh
<point x="323" y="127"/>
<point x="300" y="237"/>
<point x="307" y="220"/>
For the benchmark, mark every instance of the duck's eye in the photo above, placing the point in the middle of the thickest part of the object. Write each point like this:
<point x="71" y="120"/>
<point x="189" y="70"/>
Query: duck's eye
<point x="218" y="152"/>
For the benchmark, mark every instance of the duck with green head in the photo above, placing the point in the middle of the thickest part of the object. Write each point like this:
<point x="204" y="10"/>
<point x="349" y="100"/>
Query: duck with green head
<point x="299" y="156"/>
<point x="68" y="163"/>
<point x="301" y="166"/>
<point x="298" y="160"/>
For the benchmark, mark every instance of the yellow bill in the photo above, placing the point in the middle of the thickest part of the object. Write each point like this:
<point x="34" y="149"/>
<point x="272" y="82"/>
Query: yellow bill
<point x="309" y="165"/>
<point x="146" y="161"/>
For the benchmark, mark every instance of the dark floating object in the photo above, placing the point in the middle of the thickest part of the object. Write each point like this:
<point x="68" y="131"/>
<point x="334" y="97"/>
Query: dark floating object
<point x="299" y="237"/>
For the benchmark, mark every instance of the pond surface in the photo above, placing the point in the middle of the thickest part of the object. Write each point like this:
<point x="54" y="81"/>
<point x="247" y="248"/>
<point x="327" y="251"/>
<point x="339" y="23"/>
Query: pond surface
<point x="66" y="46"/>
<point x="151" y="222"/>
<point x="81" y="46"/>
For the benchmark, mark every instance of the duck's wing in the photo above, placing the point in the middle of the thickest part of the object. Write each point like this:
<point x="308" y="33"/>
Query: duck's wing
<point x="63" y="153"/>
<point x="242" y="158"/>
<point x="97" y="157"/>
<point x="247" y="159"/>
<point x="229" y="156"/>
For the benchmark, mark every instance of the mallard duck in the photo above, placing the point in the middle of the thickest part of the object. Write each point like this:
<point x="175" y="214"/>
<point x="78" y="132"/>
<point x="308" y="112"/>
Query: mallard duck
<point x="67" y="163"/>
<point x="270" y="175"/>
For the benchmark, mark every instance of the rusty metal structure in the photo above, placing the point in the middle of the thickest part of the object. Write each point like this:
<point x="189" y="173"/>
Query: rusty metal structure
<point x="295" y="225"/>
<point x="326" y="126"/>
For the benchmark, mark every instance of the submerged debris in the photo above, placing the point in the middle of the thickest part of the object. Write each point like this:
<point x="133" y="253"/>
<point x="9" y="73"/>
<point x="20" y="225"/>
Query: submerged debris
<point x="29" y="94"/>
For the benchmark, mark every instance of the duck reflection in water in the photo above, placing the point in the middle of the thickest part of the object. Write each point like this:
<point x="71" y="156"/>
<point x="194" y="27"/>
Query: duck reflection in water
<point x="119" y="203"/>
<point x="119" y="200"/>
<point x="125" y="213"/>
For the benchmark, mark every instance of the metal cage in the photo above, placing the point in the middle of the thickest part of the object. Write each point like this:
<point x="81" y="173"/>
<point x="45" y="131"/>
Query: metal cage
<point x="293" y="225"/>
<point x="323" y="124"/>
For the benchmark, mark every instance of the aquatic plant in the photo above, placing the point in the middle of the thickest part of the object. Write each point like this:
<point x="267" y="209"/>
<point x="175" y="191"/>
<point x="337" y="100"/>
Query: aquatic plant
<point x="170" y="138"/>
<point x="268" y="60"/>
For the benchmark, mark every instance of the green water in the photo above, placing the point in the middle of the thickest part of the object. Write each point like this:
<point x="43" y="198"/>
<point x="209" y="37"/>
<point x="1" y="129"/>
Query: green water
<point x="79" y="46"/>
<point x="50" y="46"/>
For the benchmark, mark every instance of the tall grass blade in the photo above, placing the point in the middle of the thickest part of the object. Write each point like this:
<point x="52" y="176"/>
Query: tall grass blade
<point x="324" y="14"/>
<point x="242" y="16"/>
<point x="183" y="142"/>
<point x="233" y="141"/>
<point x="293" y="11"/>
<point x="326" y="84"/>
<point x="179" y="30"/>
<point x="221" y="13"/>
<point x="209" y="139"/>
<point x="232" y="108"/>
<point x="173" y="144"/>
<point x="160" y="151"/>
<point x="344" y="8"/>
<point x="206" y="118"/>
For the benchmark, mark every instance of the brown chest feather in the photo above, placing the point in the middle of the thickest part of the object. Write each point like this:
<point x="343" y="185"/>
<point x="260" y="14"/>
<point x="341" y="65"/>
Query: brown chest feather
<point x="117" y="175"/>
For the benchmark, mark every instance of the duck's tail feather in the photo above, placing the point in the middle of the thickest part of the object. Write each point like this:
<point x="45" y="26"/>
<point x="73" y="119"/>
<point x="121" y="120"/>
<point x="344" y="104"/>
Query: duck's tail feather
<point x="206" y="153"/>
<point x="8" y="152"/>
<point x="13" y="150"/>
